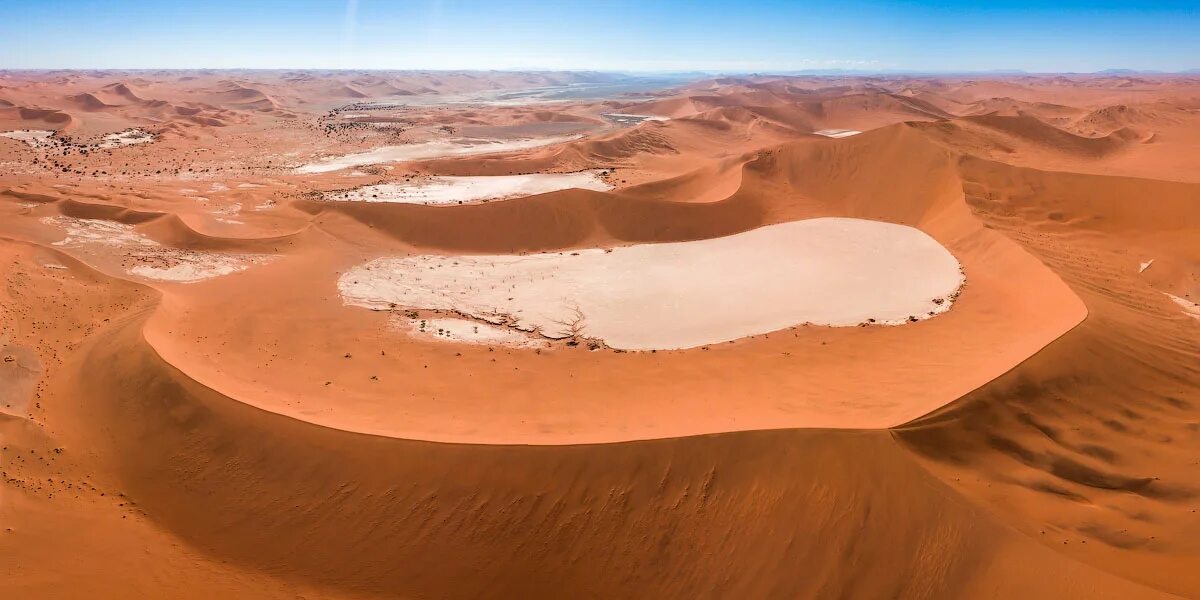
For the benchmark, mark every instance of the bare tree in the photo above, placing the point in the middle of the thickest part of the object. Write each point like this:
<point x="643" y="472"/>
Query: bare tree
<point x="574" y="325"/>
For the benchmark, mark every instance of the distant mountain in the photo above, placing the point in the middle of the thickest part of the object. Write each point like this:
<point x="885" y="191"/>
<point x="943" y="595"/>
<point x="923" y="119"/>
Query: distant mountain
<point x="1127" y="72"/>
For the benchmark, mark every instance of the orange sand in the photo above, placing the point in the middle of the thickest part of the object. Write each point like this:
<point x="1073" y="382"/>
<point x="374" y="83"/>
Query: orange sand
<point x="191" y="411"/>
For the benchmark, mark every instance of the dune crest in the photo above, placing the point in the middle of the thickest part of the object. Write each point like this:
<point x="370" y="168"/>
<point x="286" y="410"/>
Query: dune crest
<point x="459" y="334"/>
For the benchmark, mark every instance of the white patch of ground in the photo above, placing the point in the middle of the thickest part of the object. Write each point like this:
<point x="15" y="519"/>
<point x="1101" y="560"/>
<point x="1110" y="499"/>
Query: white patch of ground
<point x="250" y="186"/>
<point x="190" y="267"/>
<point x="148" y="258"/>
<point x="828" y="271"/>
<point x="459" y="190"/>
<point x="465" y="331"/>
<point x="628" y="119"/>
<point x="427" y="150"/>
<point x="218" y="187"/>
<point x="837" y="133"/>
<point x="98" y="231"/>
<point x="129" y="137"/>
<point x="1190" y="308"/>
<point x="228" y="211"/>
<point x="32" y="137"/>
<point x="1146" y="265"/>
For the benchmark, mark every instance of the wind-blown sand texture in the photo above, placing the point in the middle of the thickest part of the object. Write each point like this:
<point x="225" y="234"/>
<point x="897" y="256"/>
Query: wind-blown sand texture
<point x="249" y="434"/>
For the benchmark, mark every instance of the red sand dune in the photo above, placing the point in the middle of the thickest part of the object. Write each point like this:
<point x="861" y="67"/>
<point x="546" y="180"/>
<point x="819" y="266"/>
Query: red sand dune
<point x="250" y="435"/>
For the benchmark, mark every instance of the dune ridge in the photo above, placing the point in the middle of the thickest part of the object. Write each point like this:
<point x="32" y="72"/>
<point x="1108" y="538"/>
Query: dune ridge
<point x="249" y="435"/>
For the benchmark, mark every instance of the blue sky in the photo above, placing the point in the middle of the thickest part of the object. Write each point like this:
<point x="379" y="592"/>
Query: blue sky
<point x="642" y="35"/>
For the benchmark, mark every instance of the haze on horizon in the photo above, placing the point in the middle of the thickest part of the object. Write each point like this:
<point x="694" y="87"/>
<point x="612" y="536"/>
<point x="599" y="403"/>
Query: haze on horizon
<point x="620" y="35"/>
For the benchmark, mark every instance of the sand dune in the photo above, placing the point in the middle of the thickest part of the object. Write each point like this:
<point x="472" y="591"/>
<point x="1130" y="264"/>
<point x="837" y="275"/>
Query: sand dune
<point x="88" y="102"/>
<point x="196" y="408"/>
<point x="150" y="260"/>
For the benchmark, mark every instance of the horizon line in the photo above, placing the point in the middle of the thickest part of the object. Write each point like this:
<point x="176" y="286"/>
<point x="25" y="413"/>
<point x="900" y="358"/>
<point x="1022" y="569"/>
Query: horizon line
<point x="660" y="72"/>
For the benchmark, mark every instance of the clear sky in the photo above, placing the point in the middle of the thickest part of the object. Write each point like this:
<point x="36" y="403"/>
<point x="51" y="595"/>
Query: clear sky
<point x="629" y="35"/>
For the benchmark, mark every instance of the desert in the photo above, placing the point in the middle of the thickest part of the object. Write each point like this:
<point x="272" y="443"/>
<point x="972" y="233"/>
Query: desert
<point x="503" y="333"/>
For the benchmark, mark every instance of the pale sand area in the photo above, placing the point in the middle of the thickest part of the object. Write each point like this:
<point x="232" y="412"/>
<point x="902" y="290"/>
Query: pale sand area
<point x="837" y="133"/>
<point x="827" y="271"/>
<point x="631" y="119"/>
<point x="153" y="260"/>
<point x="129" y="137"/>
<point x="427" y="150"/>
<point x="20" y="369"/>
<point x="1190" y="308"/>
<point x="32" y="137"/>
<point x="460" y="190"/>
